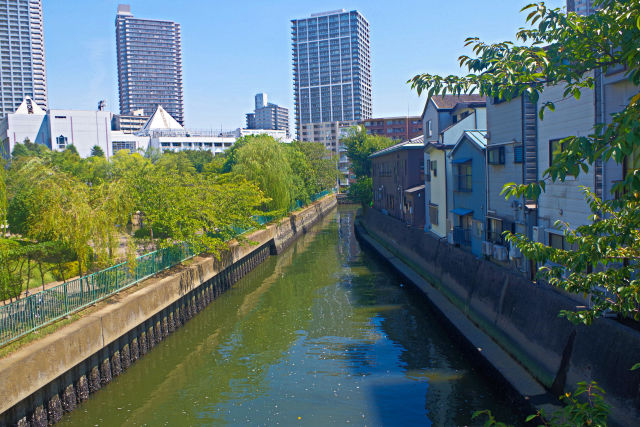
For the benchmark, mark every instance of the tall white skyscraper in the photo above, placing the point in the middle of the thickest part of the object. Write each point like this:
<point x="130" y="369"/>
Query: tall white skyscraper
<point x="23" y="71"/>
<point x="331" y="69"/>
<point x="149" y="65"/>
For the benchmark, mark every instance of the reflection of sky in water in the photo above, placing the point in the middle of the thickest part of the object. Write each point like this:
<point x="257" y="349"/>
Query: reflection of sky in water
<point x="321" y="334"/>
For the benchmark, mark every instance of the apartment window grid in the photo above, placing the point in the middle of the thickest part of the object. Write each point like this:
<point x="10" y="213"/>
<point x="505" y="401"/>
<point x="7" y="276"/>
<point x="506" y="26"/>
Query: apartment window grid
<point x="333" y="51"/>
<point x="149" y="65"/>
<point x="22" y="52"/>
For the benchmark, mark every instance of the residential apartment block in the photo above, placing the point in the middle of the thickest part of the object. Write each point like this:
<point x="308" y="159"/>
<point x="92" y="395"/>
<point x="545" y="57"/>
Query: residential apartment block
<point x="149" y="56"/>
<point x="267" y="115"/>
<point x="401" y="128"/>
<point x="23" y="71"/>
<point x="331" y="69"/>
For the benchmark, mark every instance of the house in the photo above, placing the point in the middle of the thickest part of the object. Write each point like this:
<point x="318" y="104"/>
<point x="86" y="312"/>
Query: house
<point x="469" y="190"/>
<point x="563" y="200"/>
<point x="445" y="119"/>
<point x="437" y="177"/>
<point x="398" y="181"/>
<point x="441" y="111"/>
<point x="512" y="157"/>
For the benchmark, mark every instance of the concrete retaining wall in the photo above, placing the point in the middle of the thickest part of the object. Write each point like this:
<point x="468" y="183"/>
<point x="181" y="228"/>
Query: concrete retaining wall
<point x="43" y="380"/>
<point x="523" y="317"/>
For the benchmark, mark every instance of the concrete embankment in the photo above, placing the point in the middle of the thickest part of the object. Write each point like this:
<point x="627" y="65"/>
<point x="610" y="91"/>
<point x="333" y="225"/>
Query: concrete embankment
<point x="513" y="322"/>
<point x="51" y="376"/>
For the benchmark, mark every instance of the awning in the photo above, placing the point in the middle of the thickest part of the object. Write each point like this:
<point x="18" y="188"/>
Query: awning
<point x="461" y="160"/>
<point x="462" y="211"/>
<point x="414" y="189"/>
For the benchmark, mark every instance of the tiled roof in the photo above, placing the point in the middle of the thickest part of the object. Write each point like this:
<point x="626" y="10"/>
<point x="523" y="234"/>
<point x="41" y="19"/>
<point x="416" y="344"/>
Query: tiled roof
<point x="449" y="102"/>
<point x="417" y="142"/>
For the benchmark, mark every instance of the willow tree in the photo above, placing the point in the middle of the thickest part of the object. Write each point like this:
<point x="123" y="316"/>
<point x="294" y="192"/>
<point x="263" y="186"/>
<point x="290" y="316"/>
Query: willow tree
<point x="198" y="209"/>
<point x="263" y="160"/>
<point x="570" y="51"/>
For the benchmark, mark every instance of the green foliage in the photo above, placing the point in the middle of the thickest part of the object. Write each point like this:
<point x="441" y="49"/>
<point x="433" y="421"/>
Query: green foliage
<point x="96" y="151"/>
<point x="362" y="191"/>
<point x="68" y="212"/>
<point x="3" y="196"/>
<point x="263" y="160"/>
<point x="583" y="408"/>
<point x="28" y="149"/>
<point x="360" y="146"/>
<point x="321" y="172"/>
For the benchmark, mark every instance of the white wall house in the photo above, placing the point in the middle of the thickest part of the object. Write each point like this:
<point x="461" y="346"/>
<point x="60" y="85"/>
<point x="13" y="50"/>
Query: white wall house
<point x="563" y="201"/>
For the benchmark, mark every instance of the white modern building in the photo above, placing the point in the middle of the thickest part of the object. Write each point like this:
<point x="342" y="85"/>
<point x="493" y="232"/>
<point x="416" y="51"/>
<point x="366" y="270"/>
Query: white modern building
<point x="22" y="52"/>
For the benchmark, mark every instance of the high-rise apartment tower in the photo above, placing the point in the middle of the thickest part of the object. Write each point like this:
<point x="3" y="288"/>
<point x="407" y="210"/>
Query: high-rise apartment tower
<point x="149" y="65"/>
<point x="23" y="71"/>
<point x="331" y="68"/>
<point x="267" y="115"/>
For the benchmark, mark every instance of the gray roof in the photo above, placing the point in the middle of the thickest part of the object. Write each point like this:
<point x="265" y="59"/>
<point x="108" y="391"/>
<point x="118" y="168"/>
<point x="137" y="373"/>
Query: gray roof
<point x="417" y="142"/>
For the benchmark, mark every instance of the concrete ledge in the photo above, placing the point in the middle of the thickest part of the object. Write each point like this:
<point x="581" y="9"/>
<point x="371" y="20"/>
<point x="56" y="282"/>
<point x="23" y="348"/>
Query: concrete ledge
<point x="513" y="373"/>
<point x="522" y="318"/>
<point x="31" y="369"/>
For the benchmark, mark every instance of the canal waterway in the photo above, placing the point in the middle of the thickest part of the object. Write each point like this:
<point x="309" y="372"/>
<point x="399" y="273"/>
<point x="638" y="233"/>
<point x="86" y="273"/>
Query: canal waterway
<point x="322" y="334"/>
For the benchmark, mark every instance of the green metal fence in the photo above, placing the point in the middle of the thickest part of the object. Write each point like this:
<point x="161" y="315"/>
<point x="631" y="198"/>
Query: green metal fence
<point x="37" y="310"/>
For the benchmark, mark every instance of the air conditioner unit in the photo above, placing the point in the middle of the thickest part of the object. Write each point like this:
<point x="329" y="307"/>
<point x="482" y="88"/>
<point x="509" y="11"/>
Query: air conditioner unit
<point x="487" y="248"/>
<point x="514" y="252"/>
<point x="500" y="252"/>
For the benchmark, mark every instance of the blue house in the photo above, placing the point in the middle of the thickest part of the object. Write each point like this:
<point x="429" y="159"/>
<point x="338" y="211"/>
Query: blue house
<point x="469" y="190"/>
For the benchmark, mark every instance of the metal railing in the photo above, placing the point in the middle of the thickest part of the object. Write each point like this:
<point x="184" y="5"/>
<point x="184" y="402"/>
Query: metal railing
<point x="32" y="312"/>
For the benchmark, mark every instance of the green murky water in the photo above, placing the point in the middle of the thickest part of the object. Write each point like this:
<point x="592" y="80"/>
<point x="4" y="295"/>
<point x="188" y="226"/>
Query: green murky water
<point x="320" y="335"/>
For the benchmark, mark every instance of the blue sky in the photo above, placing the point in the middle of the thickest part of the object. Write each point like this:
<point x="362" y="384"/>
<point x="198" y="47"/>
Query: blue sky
<point x="234" y="49"/>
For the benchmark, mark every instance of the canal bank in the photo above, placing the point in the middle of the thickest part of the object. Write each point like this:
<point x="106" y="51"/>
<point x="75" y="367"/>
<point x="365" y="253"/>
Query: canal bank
<point x="51" y="376"/>
<point x="322" y="334"/>
<point x="513" y="323"/>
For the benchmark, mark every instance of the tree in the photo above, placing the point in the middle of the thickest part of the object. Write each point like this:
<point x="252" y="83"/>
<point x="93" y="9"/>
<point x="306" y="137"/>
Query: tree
<point x="263" y="160"/>
<point x="29" y="149"/>
<point x="96" y="151"/>
<point x="360" y="146"/>
<point x="322" y="171"/>
<point x="570" y="50"/>
<point x="3" y="197"/>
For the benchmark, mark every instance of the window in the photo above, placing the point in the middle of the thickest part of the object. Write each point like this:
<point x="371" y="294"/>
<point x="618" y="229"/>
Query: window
<point x="429" y="131"/>
<point x="494" y="230"/>
<point x="433" y="214"/>
<point x="62" y="142"/>
<point x="558" y="241"/>
<point x="518" y="154"/>
<point x="464" y="177"/>
<point x="555" y="148"/>
<point x="434" y="167"/>
<point x="496" y="156"/>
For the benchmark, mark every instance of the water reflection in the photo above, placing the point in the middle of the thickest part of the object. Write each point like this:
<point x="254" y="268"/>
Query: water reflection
<point x="321" y="334"/>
